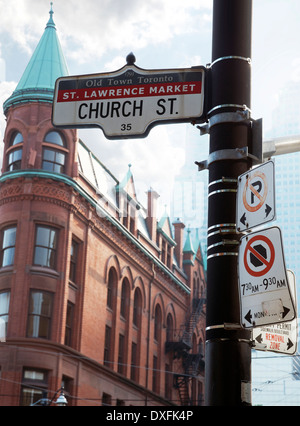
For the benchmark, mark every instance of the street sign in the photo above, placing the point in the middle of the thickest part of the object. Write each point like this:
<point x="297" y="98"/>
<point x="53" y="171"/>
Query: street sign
<point x="256" y="197"/>
<point x="265" y="296"/>
<point x="281" y="337"/>
<point x="128" y="102"/>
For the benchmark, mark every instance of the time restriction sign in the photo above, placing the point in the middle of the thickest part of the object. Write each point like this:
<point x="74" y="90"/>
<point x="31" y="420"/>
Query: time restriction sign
<point x="263" y="285"/>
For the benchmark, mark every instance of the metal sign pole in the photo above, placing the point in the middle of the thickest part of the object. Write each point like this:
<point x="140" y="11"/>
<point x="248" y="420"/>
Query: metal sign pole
<point x="228" y="345"/>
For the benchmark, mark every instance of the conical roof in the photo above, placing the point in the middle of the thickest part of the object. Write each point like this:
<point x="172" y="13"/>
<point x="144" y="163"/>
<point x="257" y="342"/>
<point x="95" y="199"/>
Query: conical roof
<point x="188" y="246"/>
<point x="45" y="66"/>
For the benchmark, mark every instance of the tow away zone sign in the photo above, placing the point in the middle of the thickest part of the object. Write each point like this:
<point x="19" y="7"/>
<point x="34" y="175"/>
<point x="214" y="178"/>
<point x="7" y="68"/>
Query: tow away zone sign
<point x="265" y="296"/>
<point x="281" y="337"/>
<point x="128" y="102"/>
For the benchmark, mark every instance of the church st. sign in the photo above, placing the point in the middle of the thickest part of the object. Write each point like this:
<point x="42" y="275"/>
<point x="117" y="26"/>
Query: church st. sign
<point x="128" y="102"/>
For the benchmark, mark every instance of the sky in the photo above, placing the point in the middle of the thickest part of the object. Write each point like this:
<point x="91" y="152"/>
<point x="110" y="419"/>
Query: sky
<point x="97" y="35"/>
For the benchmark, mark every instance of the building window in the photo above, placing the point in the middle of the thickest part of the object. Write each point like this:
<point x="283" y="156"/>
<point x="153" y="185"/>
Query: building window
<point x="34" y="386"/>
<point x="16" y="139"/>
<point x="53" y="160"/>
<point x="45" y="247"/>
<point x="4" y="309"/>
<point x="111" y="288"/>
<point x="169" y="248"/>
<point x="157" y="324"/>
<point x="39" y="314"/>
<point x="73" y="261"/>
<point x="55" y="138"/>
<point x="14" y="156"/>
<point x="14" y="160"/>
<point x="121" y="355"/>
<point x="125" y="294"/>
<point x="107" y="347"/>
<point x="168" y="382"/>
<point x="69" y="324"/>
<point x="68" y="384"/>
<point x="163" y="251"/>
<point x="134" y="359"/>
<point x="155" y="376"/>
<point x="137" y="308"/>
<point x="8" y="246"/>
<point x="54" y="157"/>
<point x="106" y="399"/>
<point x="170" y="328"/>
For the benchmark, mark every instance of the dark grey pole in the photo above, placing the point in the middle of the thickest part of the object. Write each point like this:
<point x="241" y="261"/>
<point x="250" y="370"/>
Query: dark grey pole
<point x="228" y="345"/>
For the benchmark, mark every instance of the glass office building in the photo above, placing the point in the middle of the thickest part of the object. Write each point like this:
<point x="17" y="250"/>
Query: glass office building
<point x="276" y="377"/>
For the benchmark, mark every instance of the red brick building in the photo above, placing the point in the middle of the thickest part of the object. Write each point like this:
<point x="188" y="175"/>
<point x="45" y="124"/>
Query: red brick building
<point x="96" y="294"/>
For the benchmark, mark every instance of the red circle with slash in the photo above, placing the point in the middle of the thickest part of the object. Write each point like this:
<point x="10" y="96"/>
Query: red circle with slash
<point x="268" y="263"/>
<point x="261" y="197"/>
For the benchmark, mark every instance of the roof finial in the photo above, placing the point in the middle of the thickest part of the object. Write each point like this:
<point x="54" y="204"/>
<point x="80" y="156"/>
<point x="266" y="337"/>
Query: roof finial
<point x="130" y="59"/>
<point x="51" y="10"/>
<point x="51" y="22"/>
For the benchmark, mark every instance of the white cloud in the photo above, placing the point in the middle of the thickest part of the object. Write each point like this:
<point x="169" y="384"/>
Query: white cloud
<point x="93" y="27"/>
<point x="22" y="20"/>
<point x="2" y="66"/>
<point x="155" y="160"/>
<point x="130" y="24"/>
<point x="115" y="63"/>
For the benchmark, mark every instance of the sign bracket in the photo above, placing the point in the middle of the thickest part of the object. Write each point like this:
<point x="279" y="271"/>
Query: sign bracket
<point x="225" y="154"/>
<point x="239" y="116"/>
<point x="225" y="117"/>
<point x="259" y="346"/>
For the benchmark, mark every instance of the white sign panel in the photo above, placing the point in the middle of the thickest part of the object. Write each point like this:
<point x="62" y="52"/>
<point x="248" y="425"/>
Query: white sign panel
<point x="128" y="102"/>
<point x="280" y="337"/>
<point x="256" y="197"/>
<point x="263" y="285"/>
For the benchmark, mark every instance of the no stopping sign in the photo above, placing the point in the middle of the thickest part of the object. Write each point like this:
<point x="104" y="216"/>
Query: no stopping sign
<point x="265" y="296"/>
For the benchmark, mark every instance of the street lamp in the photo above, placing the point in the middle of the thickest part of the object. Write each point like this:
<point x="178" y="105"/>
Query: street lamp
<point x="60" y="402"/>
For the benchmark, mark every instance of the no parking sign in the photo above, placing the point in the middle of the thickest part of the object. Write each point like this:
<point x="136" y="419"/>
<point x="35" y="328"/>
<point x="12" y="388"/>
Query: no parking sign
<point x="265" y="296"/>
<point x="256" y="197"/>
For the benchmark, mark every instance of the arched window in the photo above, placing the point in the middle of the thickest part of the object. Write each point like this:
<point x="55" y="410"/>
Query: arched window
<point x="16" y="139"/>
<point x="14" y="152"/>
<point x="55" y="138"/>
<point x="170" y="328"/>
<point x="54" y="158"/>
<point x="137" y="308"/>
<point x="125" y="296"/>
<point x="111" y="288"/>
<point x="157" y="323"/>
<point x="201" y="349"/>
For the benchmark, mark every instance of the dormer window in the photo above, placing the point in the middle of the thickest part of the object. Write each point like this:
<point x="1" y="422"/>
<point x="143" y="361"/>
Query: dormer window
<point x="14" y="152"/>
<point x="54" y="153"/>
